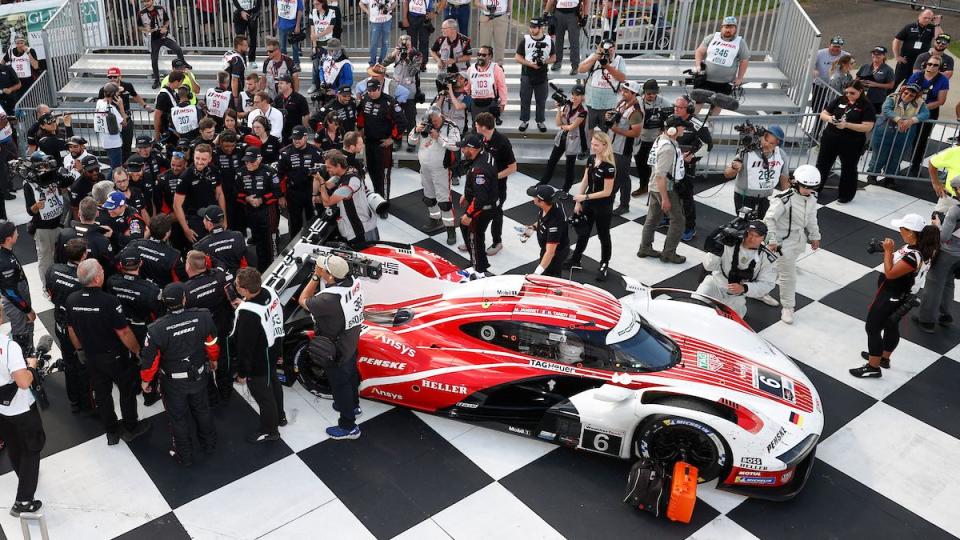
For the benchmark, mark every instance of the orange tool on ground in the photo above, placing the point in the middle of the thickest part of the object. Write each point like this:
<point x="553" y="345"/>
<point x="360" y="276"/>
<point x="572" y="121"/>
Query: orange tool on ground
<point x="683" y="492"/>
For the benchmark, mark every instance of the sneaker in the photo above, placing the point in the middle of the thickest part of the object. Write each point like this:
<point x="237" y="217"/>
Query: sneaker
<point x="884" y="362"/>
<point x="647" y="252"/>
<point x="156" y="84"/>
<point x="688" y="235"/>
<point x="25" y="507"/>
<point x="602" y="272"/>
<point x="151" y="398"/>
<point x="664" y="223"/>
<point x="283" y="420"/>
<point x="945" y="320"/>
<point x="132" y="435"/>
<point x="434" y="225"/>
<point x="357" y="413"/>
<point x="313" y="90"/>
<point x="494" y="249"/>
<point x="556" y="66"/>
<point x="672" y="258"/>
<point x="621" y="210"/>
<point x="462" y="247"/>
<point x="113" y="438"/>
<point x="786" y="315"/>
<point x="523" y="126"/>
<point x="262" y="437"/>
<point x="573" y="261"/>
<point x="769" y="300"/>
<point x="866" y="371"/>
<point x="254" y="66"/>
<point x="573" y="71"/>
<point x="338" y="433"/>
<point x="639" y="192"/>
<point x="542" y="127"/>
<point x="500" y="122"/>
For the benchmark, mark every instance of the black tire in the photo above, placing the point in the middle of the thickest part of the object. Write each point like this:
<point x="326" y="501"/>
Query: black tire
<point x="313" y="378"/>
<point x="668" y="437"/>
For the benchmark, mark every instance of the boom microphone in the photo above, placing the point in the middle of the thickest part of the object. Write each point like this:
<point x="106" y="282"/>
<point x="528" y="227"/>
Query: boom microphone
<point x="723" y="101"/>
<point x="44" y="344"/>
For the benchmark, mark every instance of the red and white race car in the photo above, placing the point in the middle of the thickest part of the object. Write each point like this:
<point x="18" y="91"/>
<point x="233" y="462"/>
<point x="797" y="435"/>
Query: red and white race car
<point x="664" y="374"/>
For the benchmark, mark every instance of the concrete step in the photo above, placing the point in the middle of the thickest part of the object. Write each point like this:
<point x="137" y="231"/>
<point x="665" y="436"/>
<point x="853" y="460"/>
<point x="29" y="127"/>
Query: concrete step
<point x="208" y="65"/>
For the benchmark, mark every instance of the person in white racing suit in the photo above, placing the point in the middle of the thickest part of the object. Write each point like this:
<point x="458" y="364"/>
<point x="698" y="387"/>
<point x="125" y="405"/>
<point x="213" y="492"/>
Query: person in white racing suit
<point x="792" y="224"/>
<point x="435" y="139"/>
<point x="745" y="270"/>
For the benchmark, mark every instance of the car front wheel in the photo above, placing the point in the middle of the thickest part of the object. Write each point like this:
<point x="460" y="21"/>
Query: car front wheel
<point x="669" y="438"/>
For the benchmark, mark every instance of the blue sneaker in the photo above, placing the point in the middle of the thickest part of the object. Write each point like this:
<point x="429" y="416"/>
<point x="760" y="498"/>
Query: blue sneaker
<point x="339" y="433"/>
<point x="357" y="413"/>
<point x="688" y="235"/>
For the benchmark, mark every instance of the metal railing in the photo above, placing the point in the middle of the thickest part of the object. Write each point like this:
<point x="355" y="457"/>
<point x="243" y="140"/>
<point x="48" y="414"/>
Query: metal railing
<point x="798" y="147"/>
<point x="796" y="44"/>
<point x="63" y="41"/>
<point x="938" y="5"/>
<point x="26" y="108"/>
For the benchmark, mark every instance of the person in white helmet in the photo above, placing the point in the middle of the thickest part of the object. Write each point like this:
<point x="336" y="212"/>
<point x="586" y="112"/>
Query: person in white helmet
<point x="791" y="224"/>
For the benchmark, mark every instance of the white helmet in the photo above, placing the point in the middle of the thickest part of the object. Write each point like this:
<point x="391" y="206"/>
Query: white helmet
<point x="807" y="176"/>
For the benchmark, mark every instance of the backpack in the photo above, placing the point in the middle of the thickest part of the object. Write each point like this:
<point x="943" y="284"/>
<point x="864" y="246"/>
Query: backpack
<point x="648" y="487"/>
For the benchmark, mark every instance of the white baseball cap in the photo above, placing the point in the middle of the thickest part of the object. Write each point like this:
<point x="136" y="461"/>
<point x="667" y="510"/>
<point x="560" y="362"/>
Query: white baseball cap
<point x="334" y="264"/>
<point x="911" y="222"/>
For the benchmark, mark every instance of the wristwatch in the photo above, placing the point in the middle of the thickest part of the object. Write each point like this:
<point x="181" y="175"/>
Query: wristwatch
<point x="314" y="278"/>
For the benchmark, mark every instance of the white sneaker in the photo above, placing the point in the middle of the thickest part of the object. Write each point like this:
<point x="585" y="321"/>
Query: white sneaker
<point x="462" y="247"/>
<point x="786" y="315"/>
<point x="312" y="90"/>
<point x="254" y="66"/>
<point x="769" y="300"/>
<point x="494" y="249"/>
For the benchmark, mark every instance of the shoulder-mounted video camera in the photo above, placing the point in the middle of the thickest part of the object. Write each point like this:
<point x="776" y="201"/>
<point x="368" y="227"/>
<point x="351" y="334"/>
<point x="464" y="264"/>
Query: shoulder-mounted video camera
<point x="732" y="233"/>
<point x="360" y="266"/>
<point x="559" y="96"/>
<point x="750" y="136"/>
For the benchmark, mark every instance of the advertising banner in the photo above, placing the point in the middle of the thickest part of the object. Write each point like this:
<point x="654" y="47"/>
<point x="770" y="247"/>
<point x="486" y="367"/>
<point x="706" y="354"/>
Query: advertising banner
<point x="28" y="18"/>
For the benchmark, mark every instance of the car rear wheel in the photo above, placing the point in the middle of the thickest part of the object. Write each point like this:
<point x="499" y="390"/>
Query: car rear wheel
<point x="312" y="377"/>
<point x="671" y="438"/>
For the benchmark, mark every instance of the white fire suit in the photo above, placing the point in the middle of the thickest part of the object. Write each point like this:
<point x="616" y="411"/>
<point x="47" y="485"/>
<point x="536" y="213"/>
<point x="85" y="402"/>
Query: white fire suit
<point x="791" y="223"/>
<point x="758" y="282"/>
<point x="434" y="177"/>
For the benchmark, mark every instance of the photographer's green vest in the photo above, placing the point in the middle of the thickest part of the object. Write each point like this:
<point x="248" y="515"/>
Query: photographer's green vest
<point x="759" y="176"/>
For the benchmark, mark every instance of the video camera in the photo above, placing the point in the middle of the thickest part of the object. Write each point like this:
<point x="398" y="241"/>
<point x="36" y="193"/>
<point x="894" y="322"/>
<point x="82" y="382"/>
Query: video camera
<point x="654" y="118"/>
<point x="44" y="367"/>
<point x="321" y="94"/>
<point x="444" y="80"/>
<point x="750" y="136"/>
<point x="40" y="173"/>
<point x="559" y="96"/>
<point x="611" y="118"/>
<point x="730" y="234"/>
<point x="359" y="265"/>
<point x="539" y="53"/>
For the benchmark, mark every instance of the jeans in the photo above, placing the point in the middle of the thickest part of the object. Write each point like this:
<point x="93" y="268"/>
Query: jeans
<point x="527" y="91"/>
<point x="889" y="148"/>
<point x="284" y="34"/>
<point x="379" y="37"/>
<point x="115" y="156"/>
<point x="461" y="14"/>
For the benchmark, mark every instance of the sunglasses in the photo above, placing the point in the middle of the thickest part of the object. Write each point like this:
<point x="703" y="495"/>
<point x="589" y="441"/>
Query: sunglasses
<point x="112" y="78"/>
<point x="932" y="64"/>
<point x="271" y="51"/>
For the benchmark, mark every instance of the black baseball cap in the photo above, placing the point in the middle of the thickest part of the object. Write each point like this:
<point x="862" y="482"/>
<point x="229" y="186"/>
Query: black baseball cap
<point x="90" y="163"/>
<point x="178" y="63"/>
<point x="345" y="89"/>
<point x="174" y="294"/>
<point x="76" y="139"/>
<point x="130" y="258"/>
<point x="252" y="153"/>
<point x="535" y="22"/>
<point x="579" y="90"/>
<point x="7" y="228"/>
<point x="544" y="192"/>
<point x="879" y="49"/>
<point x="298" y="132"/>
<point x="285" y="78"/>
<point x="134" y="163"/>
<point x="944" y="37"/>
<point x="473" y="140"/>
<point x="758" y="227"/>
<point x="144" y="141"/>
<point x="212" y="213"/>
<point x="373" y="84"/>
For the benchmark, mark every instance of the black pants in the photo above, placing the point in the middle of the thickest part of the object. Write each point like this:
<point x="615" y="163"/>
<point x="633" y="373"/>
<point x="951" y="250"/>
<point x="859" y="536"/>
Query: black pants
<point x="24" y="438"/>
<point x="640" y="159"/>
<point x="345" y="386"/>
<point x="300" y="210"/>
<point x="684" y="189"/>
<point x="473" y="237"/>
<point x="848" y="149"/>
<point x="883" y="333"/>
<point x="621" y="184"/>
<point x="560" y="256"/>
<point x="248" y="28"/>
<point x="268" y="393"/>
<point x="920" y="145"/>
<point x="106" y="370"/>
<point x="75" y="373"/>
<point x="571" y="165"/>
<point x="536" y="91"/>
<point x="496" y="229"/>
<point x="8" y="151"/>
<point x="599" y="216"/>
<point x="419" y="37"/>
<point x="220" y="385"/>
<point x="126" y="135"/>
<point x="236" y="219"/>
<point x="186" y="402"/>
<point x="155" y="44"/>
<point x="379" y="159"/>
<point x="260" y="221"/>
<point x="760" y="204"/>
<point x="903" y="72"/>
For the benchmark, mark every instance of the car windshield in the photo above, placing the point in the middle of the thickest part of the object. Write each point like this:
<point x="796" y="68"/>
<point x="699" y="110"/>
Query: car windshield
<point x="647" y="350"/>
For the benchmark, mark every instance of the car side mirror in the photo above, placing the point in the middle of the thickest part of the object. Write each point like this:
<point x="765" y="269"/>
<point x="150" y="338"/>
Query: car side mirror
<point x="613" y="394"/>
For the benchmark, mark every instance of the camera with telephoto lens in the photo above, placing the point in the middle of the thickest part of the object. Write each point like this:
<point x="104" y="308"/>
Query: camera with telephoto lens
<point x="360" y="266"/>
<point x="654" y="118"/>
<point x="559" y="96"/>
<point x="730" y="234"/>
<point x="606" y="53"/>
<point x="44" y="367"/>
<point x="750" y="136"/>
<point x="611" y="118"/>
<point x="444" y="80"/>
<point x="875" y="245"/>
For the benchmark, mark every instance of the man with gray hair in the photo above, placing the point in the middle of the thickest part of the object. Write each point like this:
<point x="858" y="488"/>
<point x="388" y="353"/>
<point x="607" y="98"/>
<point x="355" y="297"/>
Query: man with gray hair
<point x="452" y="49"/>
<point x="102" y="339"/>
<point x="101" y="190"/>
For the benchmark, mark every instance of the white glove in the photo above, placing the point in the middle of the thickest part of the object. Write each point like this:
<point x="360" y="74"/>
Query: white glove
<point x="539" y="270"/>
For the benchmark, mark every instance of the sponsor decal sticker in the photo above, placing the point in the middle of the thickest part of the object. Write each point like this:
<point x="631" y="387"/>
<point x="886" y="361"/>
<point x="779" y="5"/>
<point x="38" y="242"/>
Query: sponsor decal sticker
<point x="519" y="431"/>
<point x="402" y="347"/>
<point x="444" y="387"/>
<point x="551" y="366"/>
<point x="739" y="479"/>
<point x="547" y="436"/>
<point x="389" y="364"/>
<point x="787" y="476"/>
<point x="465" y="405"/>
<point x="388" y="395"/>
<point x="776" y="439"/>
<point x="751" y="462"/>
<point x="708" y="361"/>
<point x="796" y="419"/>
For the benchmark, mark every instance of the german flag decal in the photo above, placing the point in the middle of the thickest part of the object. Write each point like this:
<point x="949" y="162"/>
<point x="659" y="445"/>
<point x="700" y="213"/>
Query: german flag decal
<point x="796" y="419"/>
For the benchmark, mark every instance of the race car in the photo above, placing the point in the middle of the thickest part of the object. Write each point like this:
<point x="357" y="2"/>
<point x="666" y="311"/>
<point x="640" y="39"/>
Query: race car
<point x="662" y="374"/>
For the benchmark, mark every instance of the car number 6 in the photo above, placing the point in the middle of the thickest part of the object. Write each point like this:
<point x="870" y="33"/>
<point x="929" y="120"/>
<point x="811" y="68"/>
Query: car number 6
<point x="601" y="442"/>
<point x="772" y="383"/>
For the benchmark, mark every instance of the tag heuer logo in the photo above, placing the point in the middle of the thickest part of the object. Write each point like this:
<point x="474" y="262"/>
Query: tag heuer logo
<point x="708" y="361"/>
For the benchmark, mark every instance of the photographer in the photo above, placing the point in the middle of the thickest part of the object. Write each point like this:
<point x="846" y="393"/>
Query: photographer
<point x="694" y="143"/>
<point x="437" y="138"/>
<point x="487" y="85"/>
<point x="655" y="110"/>
<point x="21" y="428"/>
<point x="295" y="167"/>
<point x="534" y="52"/>
<point x="453" y="101"/>
<point x="346" y="189"/>
<point x="759" y="169"/>
<point x="43" y="197"/>
<point x="605" y="69"/>
<point x="452" y="49"/>
<point x="126" y="92"/>
<point x="897" y="287"/>
<point x="51" y="140"/>
<point x="745" y="269"/>
<point x="418" y="16"/>
<point x="344" y="106"/>
<point x="792" y="224"/>
<point x="246" y="22"/>
<point x="553" y="233"/>
<point x="571" y="141"/>
<point x="326" y="23"/>
<point x="850" y="117"/>
<point x="494" y="25"/>
<point x="337" y="313"/>
<point x="406" y="72"/>
<point x="624" y="122"/>
<point x="479" y="199"/>
<point x="380" y="13"/>
<point x="108" y="120"/>
<point x="594" y="203"/>
<point x="938" y="287"/>
<point x="667" y="161"/>
<point x="723" y="59"/>
<point x="14" y="289"/>
<point x="330" y="134"/>
<point x="570" y="17"/>
<point x="73" y="161"/>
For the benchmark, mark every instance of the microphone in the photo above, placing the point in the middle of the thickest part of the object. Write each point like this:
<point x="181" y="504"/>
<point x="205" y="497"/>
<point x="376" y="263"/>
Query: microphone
<point x="723" y="101"/>
<point x="44" y="344"/>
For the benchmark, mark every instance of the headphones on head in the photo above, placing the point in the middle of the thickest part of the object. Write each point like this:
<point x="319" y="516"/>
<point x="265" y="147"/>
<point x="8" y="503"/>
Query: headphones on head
<point x="690" y="105"/>
<point x="266" y="122"/>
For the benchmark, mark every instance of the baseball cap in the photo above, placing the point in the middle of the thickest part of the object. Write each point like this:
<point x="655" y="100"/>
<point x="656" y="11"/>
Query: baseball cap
<point x="7" y="228"/>
<point x="579" y="90"/>
<point x="76" y="139"/>
<point x="758" y="227"/>
<point x="633" y="86"/>
<point x="651" y="85"/>
<point x="113" y="72"/>
<point x="114" y="200"/>
<point x="174" y="294"/>
<point x="335" y="265"/>
<point x="252" y="153"/>
<point x="675" y="121"/>
<point x="334" y="43"/>
<point x="90" y="163"/>
<point x="544" y="192"/>
<point x="837" y="40"/>
<point x="345" y="89"/>
<point x="944" y="37"/>
<point x="298" y="132"/>
<point x="178" y="64"/>
<point x="879" y="49"/>
<point x="473" y="140"/>
<point x="212" y="213"/>
<point x="536" y="22"/>
<point x="134" y="164"/>
<point x="285" y="78"/>
<point x="144" y="141"/>
<point x="913" y="87"/>
<point x="130" y="258"/>
<point x="776" y="131"/>
<point x="729" y="20"/>
<point x="373" y="84"/>
<point x="376" y="69"/>
<point x="911" y="222"/>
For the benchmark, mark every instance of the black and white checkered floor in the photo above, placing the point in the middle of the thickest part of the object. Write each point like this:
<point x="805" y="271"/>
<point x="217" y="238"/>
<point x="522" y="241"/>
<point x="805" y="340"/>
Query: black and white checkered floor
<point x="883" y="470"/>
